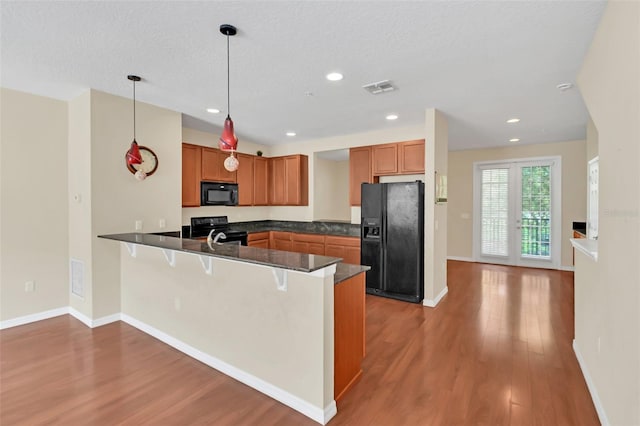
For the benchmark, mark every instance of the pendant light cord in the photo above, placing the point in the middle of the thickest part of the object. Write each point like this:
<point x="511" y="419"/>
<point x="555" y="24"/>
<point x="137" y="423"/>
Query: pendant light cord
<point x="228" y="102"/>
<point x="134" y="110"/>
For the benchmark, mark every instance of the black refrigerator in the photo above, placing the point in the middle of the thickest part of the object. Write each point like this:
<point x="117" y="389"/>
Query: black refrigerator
<point x="392" y="239"/>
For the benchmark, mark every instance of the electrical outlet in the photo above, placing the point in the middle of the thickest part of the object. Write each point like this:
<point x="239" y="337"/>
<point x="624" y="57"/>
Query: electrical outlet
<point x="138" y="225"/>
<point x="30" y="286"/>
<point x="177" y="304"/>
<point x="162" y="223"/>
<point x="598" y="345"/>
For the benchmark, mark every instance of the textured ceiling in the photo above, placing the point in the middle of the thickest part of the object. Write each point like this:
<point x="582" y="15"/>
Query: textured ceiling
<point x="480" y="62"/>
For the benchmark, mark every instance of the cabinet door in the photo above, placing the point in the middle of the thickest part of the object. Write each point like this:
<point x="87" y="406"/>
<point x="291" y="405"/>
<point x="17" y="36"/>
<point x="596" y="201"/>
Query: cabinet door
<point x="348" y="248"/>
<point x="281" y="241"/>
<point x="276" y="181"/>
<point x="359" y="172"/>
<point x="296" y="180"/>
<point x="352" y="255"/>
<point x="213" y="166"/>
<point x="259" y="244"/>
<point x="260" y="181"/>
<point x="300" y="247"/>
<point x="245" y="180"/>
<point x="385" y="159"/>
<point x="191" y="174"/>
<point x="411" y="157"/>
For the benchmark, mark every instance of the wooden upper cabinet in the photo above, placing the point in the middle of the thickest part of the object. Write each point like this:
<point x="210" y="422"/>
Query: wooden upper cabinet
<point x="213" y="166"/>
<point x="289" y="181"/>
<point x="411" y="157"/>
<point x="359" y="172"/>
<point x="191" y="172"/>
<point x="260" y="181"/>
<point x="276" y="181"/>
<point x="245" y="175"/>
<point x="385" y="159"/>
<point x="296" y="168"/>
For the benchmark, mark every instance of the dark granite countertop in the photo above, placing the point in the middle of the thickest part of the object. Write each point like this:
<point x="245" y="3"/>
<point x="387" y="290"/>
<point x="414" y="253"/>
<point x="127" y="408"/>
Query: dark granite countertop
<point x="342" y="229"/>
<point x="344" y="271"/>
<point x="275" y="258"/>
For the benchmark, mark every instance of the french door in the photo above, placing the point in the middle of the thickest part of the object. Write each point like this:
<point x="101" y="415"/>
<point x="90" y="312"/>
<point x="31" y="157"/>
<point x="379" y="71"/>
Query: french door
<point x="517" y="212"/>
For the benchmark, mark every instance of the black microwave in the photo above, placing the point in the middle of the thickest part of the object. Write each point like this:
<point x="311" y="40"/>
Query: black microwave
<point x="218" y="194"/>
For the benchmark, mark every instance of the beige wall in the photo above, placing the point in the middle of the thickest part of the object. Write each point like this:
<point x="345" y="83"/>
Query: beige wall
<point x="110" y="199"/>
<point x="574" y="190"/>
<point x="611" y="90"/>
<point x="331" y="195"/>
<point x="118" y="199"/>
<point x="33" y="196"/>
<point x="79" y="197"/>
<point x="592" y="140"/>
<point x="435" y="225"/>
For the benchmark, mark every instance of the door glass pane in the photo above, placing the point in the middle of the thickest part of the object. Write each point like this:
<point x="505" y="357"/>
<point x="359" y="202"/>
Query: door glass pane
<point x="495" y="212"/>
<point x="536" y="212"/>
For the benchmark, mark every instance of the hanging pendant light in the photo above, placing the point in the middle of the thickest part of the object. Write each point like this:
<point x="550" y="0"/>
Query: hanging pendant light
<point x="133" y="155"/>
<point x="228" y="140"/>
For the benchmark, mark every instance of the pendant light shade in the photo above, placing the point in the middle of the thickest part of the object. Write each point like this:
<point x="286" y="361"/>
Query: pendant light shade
<point x="133" y="155"/>
<point x="228" y="140"/>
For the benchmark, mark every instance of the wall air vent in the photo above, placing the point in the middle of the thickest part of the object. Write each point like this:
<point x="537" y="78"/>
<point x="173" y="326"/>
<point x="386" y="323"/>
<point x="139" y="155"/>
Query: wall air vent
<point x="379" y="87"/>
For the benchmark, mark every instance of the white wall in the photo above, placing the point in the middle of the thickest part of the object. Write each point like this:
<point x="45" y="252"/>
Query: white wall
<point x="574" y="190"/>
<point x="33" y="196"/>
<point x="610" y="87"/>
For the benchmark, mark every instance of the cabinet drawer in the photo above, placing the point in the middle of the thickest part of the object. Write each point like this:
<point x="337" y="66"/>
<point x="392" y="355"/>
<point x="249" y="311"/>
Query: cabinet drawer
<point x="343" y="241"/>
<point x="258" y="236"/>
<point x="308" y="238"/>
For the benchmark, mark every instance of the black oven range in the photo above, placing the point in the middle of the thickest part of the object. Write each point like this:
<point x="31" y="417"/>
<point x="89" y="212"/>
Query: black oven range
<point x="202" y="227"/>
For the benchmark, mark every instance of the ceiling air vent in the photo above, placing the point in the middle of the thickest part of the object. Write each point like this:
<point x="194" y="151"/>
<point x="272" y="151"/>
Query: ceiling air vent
<point x="379" y="87"/>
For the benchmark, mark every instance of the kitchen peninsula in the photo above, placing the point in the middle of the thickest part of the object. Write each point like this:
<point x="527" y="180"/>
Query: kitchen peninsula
<point x="290" y="325"/>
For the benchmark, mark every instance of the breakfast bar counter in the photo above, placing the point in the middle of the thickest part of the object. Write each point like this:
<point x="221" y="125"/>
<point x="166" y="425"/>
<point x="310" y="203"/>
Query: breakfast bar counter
<point x="290" y="325"/>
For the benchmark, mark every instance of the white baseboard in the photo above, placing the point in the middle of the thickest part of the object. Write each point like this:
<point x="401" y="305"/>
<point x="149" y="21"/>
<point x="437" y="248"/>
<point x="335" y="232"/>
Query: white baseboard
<point x="602" y="415"/>
<point x="460" y="258"/>
<point x="567" y="268"/>
<point x="14" y="322"/>
<point x="432" y="303"/>
<point x="321" y="416"/>
<point x="105" y="320"/>
<point x="80" y="316"/>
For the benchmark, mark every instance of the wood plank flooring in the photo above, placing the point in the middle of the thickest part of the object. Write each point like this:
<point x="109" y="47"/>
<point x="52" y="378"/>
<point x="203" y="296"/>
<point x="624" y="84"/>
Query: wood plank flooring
<point x="495" y="351"/>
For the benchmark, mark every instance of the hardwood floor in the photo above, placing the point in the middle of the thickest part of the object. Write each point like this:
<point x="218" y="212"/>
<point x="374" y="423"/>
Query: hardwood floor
<point x="496" y="350"/>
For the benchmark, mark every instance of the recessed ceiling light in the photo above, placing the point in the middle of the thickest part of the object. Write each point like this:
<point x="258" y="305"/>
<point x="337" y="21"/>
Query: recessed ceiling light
<point x="291" y="133"/>
<point x="391" y="117"/>
<point x="334" y="76"/>
<point x="213" y="110"/>
<point x="564" y="86"/>
<point x="513" y="120"/>
<point x="514" y="140"/>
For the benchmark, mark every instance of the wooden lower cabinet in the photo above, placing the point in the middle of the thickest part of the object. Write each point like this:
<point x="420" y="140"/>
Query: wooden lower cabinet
<point x="348" y="248"/>
<point x="280" y="241"/>
<point x="258" y="239"/>
<point x="307" y="243"/>
<point x="348" y="334"/>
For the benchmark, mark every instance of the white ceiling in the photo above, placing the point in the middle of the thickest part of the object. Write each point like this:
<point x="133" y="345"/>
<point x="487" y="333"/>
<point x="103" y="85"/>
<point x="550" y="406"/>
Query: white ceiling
<point x="480" y="62"/>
